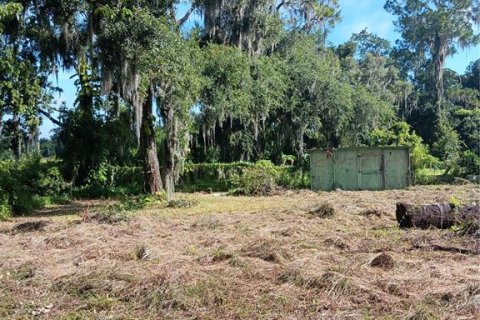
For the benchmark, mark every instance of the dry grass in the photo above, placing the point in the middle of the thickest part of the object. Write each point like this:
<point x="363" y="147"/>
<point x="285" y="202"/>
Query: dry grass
<point x="242" y="258"/>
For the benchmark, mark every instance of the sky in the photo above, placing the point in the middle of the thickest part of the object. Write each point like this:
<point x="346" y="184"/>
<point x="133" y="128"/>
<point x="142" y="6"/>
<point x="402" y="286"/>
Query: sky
<point x="356" y="16"/>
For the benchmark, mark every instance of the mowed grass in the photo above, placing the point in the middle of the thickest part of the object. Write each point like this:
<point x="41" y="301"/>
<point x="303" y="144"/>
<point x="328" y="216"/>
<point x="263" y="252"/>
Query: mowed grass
<point x="228" y="257"/>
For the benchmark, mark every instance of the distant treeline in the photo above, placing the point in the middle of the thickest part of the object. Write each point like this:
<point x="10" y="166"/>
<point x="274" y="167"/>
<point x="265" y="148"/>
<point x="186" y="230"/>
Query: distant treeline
<point x="255" y="80"/>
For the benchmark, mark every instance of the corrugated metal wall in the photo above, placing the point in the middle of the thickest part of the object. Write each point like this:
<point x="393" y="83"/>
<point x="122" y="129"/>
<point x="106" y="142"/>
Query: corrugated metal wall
<point x="360" y="168"/>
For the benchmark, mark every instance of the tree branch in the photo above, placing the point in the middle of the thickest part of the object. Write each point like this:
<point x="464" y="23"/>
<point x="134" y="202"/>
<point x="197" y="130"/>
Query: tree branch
<point x="49" y="117"/>
<point x="186" y="16"/>
<point x="280" y="5"/>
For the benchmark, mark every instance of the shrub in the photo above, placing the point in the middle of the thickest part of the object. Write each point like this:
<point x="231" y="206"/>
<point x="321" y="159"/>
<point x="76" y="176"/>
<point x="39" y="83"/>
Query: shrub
<point x="470" y="163"/>
<point x="51" y="182"/>
<point x="112" y="180"/>
<point x="447" y="145"/>
<point x="28" y="185"/>
<point x="5" y="209"/>
<point x="210" y="176"/>
<point x="259" y="179"/>
<point x="400" y="134"/>
<point x="292" y="177"/>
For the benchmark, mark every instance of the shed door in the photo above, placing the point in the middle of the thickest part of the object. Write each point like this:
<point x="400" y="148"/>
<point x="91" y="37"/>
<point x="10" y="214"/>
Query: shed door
<point x="370" y="172"/>
<point x="322" y="171"/>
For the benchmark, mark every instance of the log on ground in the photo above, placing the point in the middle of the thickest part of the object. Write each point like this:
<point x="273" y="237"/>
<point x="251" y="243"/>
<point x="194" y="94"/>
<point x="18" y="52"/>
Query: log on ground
<point x="440" y="215"/>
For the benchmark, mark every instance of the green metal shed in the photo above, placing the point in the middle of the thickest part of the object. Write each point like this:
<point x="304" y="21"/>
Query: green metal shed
<point x="377" y="168"/>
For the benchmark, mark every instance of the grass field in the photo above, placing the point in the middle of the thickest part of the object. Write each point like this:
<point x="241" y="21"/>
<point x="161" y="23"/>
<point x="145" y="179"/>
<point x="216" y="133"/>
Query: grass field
<point x="241" y="258"/>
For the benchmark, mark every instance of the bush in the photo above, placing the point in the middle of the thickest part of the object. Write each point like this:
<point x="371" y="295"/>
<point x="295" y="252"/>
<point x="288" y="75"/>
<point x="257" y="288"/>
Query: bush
<point x="111" y="180"/>
<point x="225" y="176"/>
<point x="51" y="182"/>
<point x="5" y="209"/>
<point x="447" y="145"/>
<point x="28" y="185"/>
<point x="296" y="175"/>
<point x="469" y="163"/>
<point x="259" y="179"/>
<point x="400" y="134"/>
<point x="210" y="176"/>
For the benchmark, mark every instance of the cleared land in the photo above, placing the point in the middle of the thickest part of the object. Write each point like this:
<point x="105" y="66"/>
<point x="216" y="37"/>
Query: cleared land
<point x="242" y="258"/>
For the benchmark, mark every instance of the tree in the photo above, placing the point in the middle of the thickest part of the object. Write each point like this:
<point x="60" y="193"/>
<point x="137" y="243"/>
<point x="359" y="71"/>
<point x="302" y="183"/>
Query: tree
<point x="319" y="101"/>
<point x="471" y="79"/>
<point x="23" y="90"/>
<point x="7" y="11"/>
<point x="435" y="29"/>
<point x="125" y="44"/>
<point x="175" y="74"/>
<point x="256" y="27"/>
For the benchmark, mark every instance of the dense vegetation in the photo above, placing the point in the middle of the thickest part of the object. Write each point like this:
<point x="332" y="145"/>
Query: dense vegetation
<point x="256" y="80"/>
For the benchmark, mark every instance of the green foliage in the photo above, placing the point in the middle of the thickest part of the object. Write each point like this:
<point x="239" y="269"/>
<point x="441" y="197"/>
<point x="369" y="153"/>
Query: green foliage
<point x="5" y="208"/>
<point x="469" y="163"/>
<point x="254" y="81"/>
<point x="51" y="182"/>
<point x="400" y="134"/>
<point x="259" y="179"/>
<point x="294" y="172"/>
<point x="447" y="146"/>
<point x="29" y="185"/>
<point x="181" y="203"/>
<point x="429" y="176"/>
<point x="371" y="112"/>
<point x="467" y="124"/>
<point x="111" y="180"/>
<point x="230" y="176"/>
<point x="227" y="84"/>
<point x="433" y="30"/>
<point x="210" y="176"/>
<point x="292" y="177"/>
<point x="9" y="10"/>
<point x="117" y="181"/>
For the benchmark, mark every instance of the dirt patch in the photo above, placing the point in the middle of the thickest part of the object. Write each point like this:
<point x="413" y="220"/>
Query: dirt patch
<point x="181" y="203"/>
<point x="383" y="261"/>
<point x="23" y="272"/>
<point x="337" y="242"/>
<point x="267" y="249"/>
<point x="29" y="226"/>
<point x="373" y="213"/>
<point x="323" y="210"/>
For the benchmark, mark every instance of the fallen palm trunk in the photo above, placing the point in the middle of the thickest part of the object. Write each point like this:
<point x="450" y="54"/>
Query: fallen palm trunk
<point x="441" y="216"/>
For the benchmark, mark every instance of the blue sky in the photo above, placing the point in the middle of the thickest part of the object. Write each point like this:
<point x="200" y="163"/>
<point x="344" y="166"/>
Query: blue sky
<point x="360" y="14"/>
<point x="356" y="16"/>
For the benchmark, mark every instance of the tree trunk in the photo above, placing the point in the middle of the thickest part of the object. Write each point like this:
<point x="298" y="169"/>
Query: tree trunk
<point x="1" y="123"/>
<point x="17" y="137"/>
<point x="33" y="141"/>
<point x="441" y="216"/>
<point x="148" y="146"/>
<point x="439" y="55"/>
<point x="300" y="143"/>
<point x="137" y="107"/>
<point x="171" y="146"/>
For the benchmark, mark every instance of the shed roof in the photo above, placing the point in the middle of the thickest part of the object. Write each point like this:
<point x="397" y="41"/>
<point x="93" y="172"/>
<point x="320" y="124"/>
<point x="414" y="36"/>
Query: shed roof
<point x="361" y="148"/>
